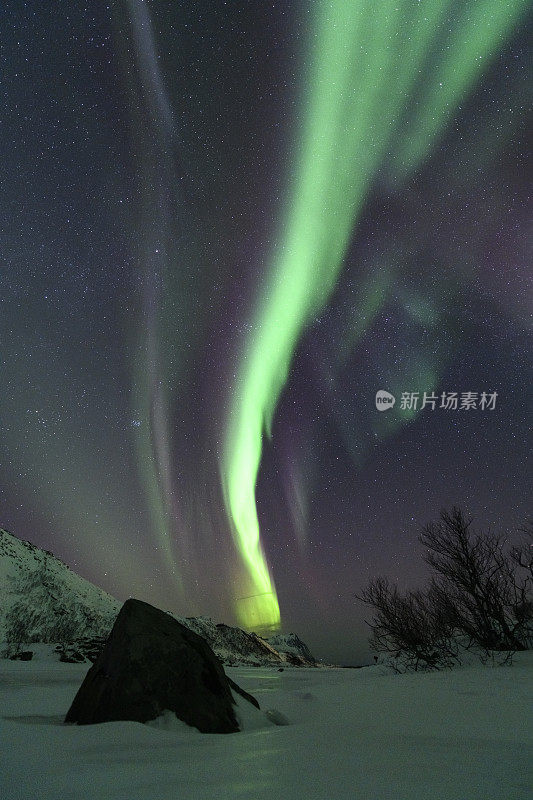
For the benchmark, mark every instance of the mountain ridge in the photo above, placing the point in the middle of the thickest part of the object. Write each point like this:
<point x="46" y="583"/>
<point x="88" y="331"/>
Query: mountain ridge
<point x="43" y="600"/>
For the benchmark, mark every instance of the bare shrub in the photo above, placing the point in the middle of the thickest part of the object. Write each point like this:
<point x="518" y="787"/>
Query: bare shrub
<point x="478" y="598"/>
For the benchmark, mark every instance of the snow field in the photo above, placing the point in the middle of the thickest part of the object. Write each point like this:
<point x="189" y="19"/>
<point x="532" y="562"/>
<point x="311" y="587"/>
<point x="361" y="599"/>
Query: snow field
<point x="353" y="735"/>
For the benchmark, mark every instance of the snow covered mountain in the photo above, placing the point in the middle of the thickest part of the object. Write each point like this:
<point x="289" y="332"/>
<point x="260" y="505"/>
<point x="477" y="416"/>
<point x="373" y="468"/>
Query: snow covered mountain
<point x="291" y="645"/>
<point x="236" y="647"/>
<point x="43" y="600"/>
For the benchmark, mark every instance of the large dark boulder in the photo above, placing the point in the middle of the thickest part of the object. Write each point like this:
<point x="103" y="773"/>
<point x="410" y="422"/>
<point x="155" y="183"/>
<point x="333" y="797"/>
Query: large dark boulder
<point x="149" y="664"/>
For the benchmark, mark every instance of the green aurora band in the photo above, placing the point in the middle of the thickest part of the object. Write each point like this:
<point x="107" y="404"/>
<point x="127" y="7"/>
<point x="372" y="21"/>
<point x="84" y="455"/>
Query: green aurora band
<point x="383" y="81"/>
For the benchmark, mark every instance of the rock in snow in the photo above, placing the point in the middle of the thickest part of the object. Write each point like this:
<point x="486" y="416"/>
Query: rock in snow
<point x="151" y="663"/>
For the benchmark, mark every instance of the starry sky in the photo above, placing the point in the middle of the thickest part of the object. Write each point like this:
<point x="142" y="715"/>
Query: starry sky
<point x="224" y="227"/>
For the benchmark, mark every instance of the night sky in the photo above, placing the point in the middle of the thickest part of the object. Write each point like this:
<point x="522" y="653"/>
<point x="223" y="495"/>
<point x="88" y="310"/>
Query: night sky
<point x="224" y="227"/>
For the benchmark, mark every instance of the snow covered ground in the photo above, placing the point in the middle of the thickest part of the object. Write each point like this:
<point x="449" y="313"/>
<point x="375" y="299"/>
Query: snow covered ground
<point x="354" y="735"/>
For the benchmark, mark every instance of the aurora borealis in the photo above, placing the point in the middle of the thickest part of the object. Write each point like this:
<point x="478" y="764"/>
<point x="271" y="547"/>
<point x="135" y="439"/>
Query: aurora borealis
<point x="349" y="109"/>
<point x="225" y="227"/>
